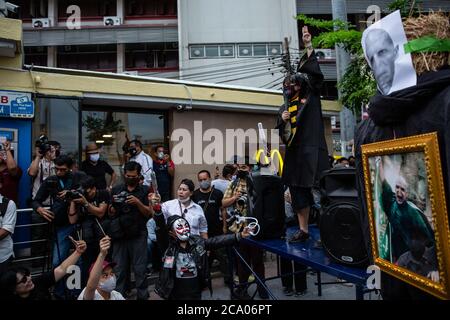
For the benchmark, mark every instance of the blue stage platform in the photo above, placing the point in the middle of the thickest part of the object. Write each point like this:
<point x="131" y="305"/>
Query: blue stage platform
<point x="315" y="257"/>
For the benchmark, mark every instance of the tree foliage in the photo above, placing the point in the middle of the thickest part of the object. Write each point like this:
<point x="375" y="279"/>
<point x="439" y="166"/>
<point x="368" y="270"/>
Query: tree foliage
<point x="97" y="127"/>
<point x="357" y="84"/>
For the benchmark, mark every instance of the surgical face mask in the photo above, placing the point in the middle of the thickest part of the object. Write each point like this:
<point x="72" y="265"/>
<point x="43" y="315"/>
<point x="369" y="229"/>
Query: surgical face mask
<point x="108" y="285"/>
<point x="94" y="157"/>
<point x="204" y="185"/>
<point x="181" y="229"/>
<point x="132" y="151"/>
<point x="160" y="155"/>
<point x="132" y="181"/>
<point x="184" y="201"/>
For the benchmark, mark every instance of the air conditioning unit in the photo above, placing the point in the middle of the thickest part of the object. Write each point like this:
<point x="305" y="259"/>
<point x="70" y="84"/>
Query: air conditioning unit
<point x="111" y="21"/>
<point x="40" y="23"/>
<point x="325" y="54"/>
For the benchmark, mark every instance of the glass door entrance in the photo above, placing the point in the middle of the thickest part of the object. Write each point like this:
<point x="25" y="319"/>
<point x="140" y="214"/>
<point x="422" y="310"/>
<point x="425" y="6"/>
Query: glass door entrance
<point x="111" y="129"/>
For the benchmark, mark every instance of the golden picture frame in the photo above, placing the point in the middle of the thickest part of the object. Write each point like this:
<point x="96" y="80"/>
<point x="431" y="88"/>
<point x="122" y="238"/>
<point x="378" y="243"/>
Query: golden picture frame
<point x="407" y="211"/>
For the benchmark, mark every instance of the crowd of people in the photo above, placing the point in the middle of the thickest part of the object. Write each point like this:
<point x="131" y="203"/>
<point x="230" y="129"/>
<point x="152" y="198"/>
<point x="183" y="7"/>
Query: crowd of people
<point x="112" y="230"/>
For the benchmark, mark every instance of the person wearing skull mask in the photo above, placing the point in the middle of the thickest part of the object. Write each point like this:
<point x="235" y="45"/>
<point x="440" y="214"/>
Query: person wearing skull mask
<point x="185" y="271"/>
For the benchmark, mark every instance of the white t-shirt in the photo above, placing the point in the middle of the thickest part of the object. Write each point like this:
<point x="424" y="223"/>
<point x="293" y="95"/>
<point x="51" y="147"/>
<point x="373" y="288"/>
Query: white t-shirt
<point x="46" y="169"/>
<point x="115" y="295"/>
<point x="146" y="163"/>
<point x="194" y="215"/>
<point x="7" y="222"/>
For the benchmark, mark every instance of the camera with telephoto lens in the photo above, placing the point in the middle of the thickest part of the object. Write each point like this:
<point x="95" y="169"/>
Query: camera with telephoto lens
<point x="119" y="202"/>
<point x="242" y="200"/>
<point x="74" y="194"/>
<point x="42" y="144"/>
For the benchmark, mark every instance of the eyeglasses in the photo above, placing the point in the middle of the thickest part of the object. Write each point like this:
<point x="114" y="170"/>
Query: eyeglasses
<point x="24" y="278"/>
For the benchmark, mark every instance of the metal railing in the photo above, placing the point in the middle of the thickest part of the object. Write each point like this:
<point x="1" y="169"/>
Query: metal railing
<point x="46" y="257"/>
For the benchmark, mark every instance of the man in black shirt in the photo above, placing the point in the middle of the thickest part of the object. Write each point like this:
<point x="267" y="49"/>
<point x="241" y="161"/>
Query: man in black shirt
<point x="164" y="170"/>
<point x="97" y="168"/>
<point x="87" y="212"/>
<point x="57" y="188"/>
<point x="17" y="284"/>
<point x="210" y="200"/>
<point x="128" y="217"/>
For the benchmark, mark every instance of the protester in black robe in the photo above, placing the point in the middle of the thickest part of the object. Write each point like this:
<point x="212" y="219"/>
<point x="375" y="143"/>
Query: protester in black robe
<point x="306" y="150"/>
<point x="420" y="109"/>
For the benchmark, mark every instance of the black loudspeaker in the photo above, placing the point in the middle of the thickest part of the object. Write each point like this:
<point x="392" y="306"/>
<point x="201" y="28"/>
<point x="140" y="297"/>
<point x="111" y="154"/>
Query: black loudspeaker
<point x="268" y="206"/>
<point x="340" y="224"/>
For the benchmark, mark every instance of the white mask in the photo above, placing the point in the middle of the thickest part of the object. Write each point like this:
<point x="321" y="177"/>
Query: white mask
<point x="94" y="157"/>
<point x="184" y="201"/>
<point x="181" y="229"/>
<point x="108" y="285"/>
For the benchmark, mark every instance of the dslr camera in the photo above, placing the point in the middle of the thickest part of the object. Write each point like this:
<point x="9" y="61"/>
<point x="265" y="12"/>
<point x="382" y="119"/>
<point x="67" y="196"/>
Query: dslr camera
<point x="42" y="144"/>
<point x="74" y="194"/>
<point x="119" y="202"/>
<point x="242" y="200"/>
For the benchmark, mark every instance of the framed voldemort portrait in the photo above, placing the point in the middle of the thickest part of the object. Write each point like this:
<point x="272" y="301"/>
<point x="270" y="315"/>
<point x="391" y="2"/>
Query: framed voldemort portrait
<point x="407" y="211"/>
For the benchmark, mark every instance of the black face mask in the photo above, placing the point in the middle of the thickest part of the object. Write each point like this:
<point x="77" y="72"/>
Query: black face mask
<point x="132" y="151"/>
<point x="417" y="249"/>
<point x="242" y="174"/>
<point x="132" y="182"/>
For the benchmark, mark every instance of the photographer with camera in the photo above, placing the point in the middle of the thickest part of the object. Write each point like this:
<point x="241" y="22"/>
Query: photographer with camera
<point x="87" y="209"/>
<point x="127" y="222"/>
<point x="10" y="173"/>
<point x="58" y="188"/>
<point x="238" y="194"/>
<point x="43" y="165"/>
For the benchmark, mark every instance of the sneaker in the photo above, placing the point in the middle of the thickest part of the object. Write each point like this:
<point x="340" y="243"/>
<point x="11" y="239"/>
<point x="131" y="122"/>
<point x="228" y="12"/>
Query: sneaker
<point x="300" y="236"/>
<point x="300" y="293"/>
<point x="288" y="291"/>
<point x="241" y="294"/>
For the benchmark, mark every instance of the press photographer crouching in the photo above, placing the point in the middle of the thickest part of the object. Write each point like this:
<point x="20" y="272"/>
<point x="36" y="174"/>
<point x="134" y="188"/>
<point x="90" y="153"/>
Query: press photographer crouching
<point x="87" y="210"/>
<point x="57" y="187"/>
<point x="127" y="219"/>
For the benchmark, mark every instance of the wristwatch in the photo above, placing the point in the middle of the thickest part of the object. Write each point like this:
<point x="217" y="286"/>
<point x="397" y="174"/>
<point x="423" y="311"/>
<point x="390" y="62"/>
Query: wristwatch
<point x="86" y="205"/>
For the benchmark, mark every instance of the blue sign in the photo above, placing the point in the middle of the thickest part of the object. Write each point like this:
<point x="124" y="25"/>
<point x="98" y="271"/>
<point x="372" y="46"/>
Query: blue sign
<point x="16" y="104"/>
<point x="8" y="135"/>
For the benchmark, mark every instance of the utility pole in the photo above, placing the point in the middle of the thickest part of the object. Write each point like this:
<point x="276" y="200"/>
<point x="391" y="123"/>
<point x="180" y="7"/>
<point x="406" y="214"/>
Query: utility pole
<point x="347" y="119"/>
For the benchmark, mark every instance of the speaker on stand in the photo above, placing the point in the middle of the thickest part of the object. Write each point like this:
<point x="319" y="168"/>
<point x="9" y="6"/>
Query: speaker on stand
<point x="340" y="224"/>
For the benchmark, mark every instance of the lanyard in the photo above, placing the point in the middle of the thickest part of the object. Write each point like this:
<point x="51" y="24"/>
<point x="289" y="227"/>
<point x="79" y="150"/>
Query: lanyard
<point x="181" y="210"/>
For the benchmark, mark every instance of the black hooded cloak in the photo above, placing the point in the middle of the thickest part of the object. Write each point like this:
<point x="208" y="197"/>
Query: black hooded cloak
<point x="307" y="156"/>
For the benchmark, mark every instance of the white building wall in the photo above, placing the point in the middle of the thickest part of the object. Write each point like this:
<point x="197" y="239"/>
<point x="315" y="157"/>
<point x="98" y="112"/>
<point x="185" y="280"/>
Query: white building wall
<point x="233" y="22"/>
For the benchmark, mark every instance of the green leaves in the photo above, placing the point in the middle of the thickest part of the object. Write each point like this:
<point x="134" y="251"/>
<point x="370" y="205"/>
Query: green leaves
<point x="357" y="84"/>
<point x="97" y="127"/>
<point x="327" y="25"/>
<point x="350" y="39"/>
